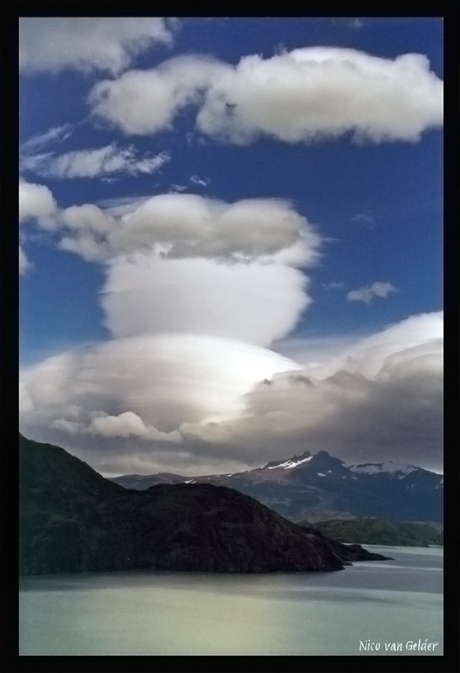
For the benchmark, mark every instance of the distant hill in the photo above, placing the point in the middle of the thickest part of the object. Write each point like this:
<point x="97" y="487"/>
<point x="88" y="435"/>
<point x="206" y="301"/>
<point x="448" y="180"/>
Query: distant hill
<point x="319" y="487"/>
<point x="73" y="520"/>
<point x="378" y="531"/>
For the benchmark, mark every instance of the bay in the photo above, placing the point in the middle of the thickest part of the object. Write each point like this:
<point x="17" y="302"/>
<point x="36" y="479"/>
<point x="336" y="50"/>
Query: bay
<point x="369" y="608"/>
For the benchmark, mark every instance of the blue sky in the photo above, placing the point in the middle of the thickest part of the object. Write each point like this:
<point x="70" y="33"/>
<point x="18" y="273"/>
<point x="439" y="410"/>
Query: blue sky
<point x="299" y="165"/>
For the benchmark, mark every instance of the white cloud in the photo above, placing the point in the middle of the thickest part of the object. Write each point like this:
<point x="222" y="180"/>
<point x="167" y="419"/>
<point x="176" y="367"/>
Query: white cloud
<point x="142" y="385"/>
<point x="333" y="285"/>
<point x="234" y="403"/>
<point x="365" y="219"/>
<point x="383" y="403"/>
<point x="350" y="22"/>
<point x="187" y="225"/>
<point x="299" y="96"/>
<point x="368" y="292"/>
<point x="142" y="102"/>
<point x="36" y="202"/>
<point x="24" y="263"/>
<point x="54" y="134"/>
<point x="368" y="355"/>
<point x="50" y="44"/>
<point x="204" y="182"/>
<point x="254" y="302"/>
<point x="179" y="226"/>
<point x="94" y="163"/>
<point x="130" y="424"/>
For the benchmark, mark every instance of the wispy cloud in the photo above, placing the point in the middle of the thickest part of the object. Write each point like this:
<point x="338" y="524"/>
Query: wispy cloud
<point x="204" y="182"/>
<point x="333" y="286"/>
<point x="368" y="292"/>
<point x="24" y="263"/>
<point x="350" y="22"/>
<point x="55" y="134"/>
<point x="92" y="163"/>
<point x="365" y="219"/>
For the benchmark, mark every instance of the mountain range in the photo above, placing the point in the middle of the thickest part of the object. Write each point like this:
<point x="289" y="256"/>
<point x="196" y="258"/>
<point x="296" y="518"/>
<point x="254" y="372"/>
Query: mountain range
<point x="320" y="486"/>
<point x="71" y="519"/>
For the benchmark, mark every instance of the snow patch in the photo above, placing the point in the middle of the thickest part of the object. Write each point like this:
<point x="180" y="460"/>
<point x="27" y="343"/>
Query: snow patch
<point x="320" y="474"/>
<point x="389" y="467"/>
<point x="288" y="464"/>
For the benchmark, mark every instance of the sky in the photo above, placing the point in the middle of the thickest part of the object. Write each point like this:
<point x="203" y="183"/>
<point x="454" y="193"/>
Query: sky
<point x="230" y="240"/>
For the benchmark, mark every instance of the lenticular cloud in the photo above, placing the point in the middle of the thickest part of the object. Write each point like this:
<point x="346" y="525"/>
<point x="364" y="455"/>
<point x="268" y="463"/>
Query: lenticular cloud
<point x="196" y="292"/>
<point x="255" y="302"/>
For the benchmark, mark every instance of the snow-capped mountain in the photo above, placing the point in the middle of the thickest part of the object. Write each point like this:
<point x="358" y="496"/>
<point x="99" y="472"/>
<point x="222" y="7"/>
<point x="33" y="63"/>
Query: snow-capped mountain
<point x="319" y="486"/>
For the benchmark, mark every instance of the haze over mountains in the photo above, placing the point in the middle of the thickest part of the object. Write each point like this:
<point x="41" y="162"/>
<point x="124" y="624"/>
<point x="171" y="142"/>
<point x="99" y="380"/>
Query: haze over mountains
<point x="320" y="486"/>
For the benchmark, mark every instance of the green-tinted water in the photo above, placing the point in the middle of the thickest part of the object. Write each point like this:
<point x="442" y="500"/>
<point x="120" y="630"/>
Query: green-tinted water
<point x="346" y="612"/>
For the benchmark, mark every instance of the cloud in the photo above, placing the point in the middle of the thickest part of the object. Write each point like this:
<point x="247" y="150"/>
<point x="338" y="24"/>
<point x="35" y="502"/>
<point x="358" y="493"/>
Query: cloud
<point x="54" y="134"/>
<point x="24" y="263"/>
<point x="333" y="285"/>
<point x="365" y="219"/>
<point x="142" y="102"/>
<point x="94" y="163"/>
<point x="367" y="292"/>
<point x="187" y="225"/>
<point x="51" y="44"/>
<point x="204" y="182"/>
<point x="299" y="96"/>
<point x="235" y="404"/>
<point x="350" y="22"/>
<point x="178" y="226"/>
<point x="391" y="410"/>
<point x="141" y="388"/>
<point x="129" y="424"/>
<point x="36" y="202"/>
<point x="368" y="355"/>
<point x="254" y="302"/>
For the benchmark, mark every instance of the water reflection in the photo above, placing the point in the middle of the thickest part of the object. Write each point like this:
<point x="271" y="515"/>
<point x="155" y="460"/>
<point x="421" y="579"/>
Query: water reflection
<point x="199" y="613"/>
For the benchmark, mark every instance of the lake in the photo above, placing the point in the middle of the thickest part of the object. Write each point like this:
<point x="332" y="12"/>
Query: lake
<point x="357" y="611"/>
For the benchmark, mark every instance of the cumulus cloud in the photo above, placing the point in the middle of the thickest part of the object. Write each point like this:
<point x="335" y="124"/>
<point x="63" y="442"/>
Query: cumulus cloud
<point x="368" y="292"/>
<point x="94" y="163"/>
<point x="51" y="44"/>
<point x="178" y="226"/>
<point x="142" y="102"/>
<point x="299" y="96"/>
<point x="36" y="202"/>
<point x="129" y="424"/>
<point x="188" y="225"/>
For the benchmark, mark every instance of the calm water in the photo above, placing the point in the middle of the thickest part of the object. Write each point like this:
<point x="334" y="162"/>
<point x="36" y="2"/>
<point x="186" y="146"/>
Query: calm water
<point x="148" y="613"/>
